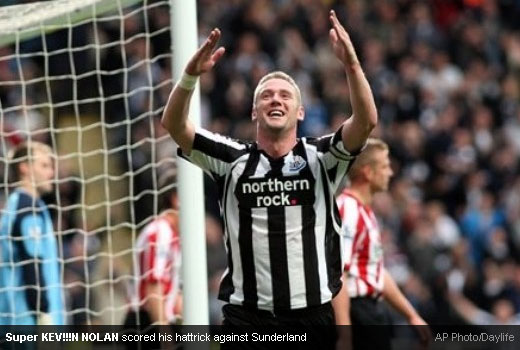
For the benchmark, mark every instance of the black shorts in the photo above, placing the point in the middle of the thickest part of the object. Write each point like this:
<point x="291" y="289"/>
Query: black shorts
<point x="370" y="324"/>
<point x="316" y="322"/>
<point x="137" y="318"/>
<point x="140" y="322"/>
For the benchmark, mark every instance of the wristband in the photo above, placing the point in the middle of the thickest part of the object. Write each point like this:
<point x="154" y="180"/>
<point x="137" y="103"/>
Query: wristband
<point x="187" y="81"/>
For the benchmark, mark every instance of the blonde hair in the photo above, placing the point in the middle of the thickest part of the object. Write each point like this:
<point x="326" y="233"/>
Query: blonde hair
<point x="278" y="75"/>
<point x="366" y="157"/>
<point x="23" y="153"/>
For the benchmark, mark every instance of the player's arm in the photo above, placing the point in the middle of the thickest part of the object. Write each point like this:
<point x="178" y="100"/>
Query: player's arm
<point x="179" y="306"/>
<point x="341" y="305"/>
<point x="175" y="115"/>
<point x="348" y="232"/>
<point x="364" y="118"/>
<point x="32" y="230"/>
<point x="398" y="301"/>
<point x="154" y="302"/>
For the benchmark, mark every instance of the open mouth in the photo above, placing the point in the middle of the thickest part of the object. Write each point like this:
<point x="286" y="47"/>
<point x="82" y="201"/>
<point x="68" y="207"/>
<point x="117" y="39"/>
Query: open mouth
<point x="275" y="114"/>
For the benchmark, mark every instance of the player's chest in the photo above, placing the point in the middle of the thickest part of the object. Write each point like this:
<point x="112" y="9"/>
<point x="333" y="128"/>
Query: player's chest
<point x="264" y="183"/>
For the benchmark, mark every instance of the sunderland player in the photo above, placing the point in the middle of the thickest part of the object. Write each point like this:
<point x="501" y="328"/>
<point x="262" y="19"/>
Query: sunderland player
<point x="156" y="298"/>
<point x="277" y="194"/>
<point x="366" y="278"/>
<point x="30" y="284"/>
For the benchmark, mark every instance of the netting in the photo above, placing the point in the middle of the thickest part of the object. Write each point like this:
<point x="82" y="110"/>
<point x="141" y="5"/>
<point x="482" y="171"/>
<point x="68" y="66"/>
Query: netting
<point x="90" y="79"/>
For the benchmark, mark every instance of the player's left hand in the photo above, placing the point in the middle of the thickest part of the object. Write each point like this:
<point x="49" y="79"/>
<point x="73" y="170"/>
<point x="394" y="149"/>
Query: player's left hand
<point x="341" y="43"/>
<point x="344" y="341"/>
<point x="425" y="334"/>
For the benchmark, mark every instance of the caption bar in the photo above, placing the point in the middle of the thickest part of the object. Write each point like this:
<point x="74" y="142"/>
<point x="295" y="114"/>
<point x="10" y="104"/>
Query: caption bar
<point x="114" y="337"/>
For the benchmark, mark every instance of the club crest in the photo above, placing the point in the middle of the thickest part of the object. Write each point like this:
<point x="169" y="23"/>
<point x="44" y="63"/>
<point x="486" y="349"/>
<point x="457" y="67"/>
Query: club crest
<point x="296" y="164"/>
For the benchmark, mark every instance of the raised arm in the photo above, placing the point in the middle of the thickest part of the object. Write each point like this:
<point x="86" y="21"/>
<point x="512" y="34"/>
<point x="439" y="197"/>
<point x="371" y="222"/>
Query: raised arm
<point x="175" y="115"/>
<point x="364" y="118"/>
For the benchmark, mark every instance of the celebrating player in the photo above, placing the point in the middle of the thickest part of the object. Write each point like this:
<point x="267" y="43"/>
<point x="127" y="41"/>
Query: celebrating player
<point x="277" y="194"/>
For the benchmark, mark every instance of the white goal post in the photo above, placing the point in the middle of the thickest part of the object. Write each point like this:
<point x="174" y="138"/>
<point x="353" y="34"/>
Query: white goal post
<point x="90" y="78"/>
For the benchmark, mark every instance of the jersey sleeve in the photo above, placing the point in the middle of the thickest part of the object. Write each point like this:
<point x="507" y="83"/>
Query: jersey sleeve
<point x="349" y="218"/>
<point x="159" y="254"/>
<point x="34" y="277"/>
<point x="214" y="153"/>
<point x="151" y="272"/>
<point x="334" y="156"/>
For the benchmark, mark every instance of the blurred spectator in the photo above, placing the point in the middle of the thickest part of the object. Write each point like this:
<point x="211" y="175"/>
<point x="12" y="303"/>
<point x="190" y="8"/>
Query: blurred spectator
<point x="478" y="223"/>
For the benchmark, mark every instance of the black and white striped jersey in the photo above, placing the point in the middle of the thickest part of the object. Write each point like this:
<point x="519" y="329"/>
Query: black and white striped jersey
<point x="281" y="221"/>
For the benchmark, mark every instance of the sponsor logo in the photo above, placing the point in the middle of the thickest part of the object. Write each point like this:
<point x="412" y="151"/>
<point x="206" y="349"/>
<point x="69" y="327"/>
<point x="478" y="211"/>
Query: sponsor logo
<point x="275" y="185"/>
<point x="35" y="232"/>
<point x="267" y="192"/>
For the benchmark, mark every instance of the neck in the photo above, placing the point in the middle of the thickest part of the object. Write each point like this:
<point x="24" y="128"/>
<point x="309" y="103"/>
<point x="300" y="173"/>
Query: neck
<point x="30" y="189"/>
<point x="276" y="145"/>
<point x="362" y="192"/>
<point x="172" y="216"/>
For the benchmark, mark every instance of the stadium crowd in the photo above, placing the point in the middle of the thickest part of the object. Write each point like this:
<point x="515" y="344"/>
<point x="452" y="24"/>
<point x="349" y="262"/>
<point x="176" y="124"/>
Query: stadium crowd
<point x="446" y="78"/>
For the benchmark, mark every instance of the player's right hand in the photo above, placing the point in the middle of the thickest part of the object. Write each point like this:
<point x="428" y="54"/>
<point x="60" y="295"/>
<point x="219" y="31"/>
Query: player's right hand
<point x="205" y="58"/>
<point x="341" y="43"/>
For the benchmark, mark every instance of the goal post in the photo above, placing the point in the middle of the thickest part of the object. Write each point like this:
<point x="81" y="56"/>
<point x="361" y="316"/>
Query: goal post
<point x="184" y="36"/>
<point x="90" y="78"/>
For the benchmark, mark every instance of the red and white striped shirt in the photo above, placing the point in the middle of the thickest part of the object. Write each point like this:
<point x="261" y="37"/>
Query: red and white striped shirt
<point x="159" y="260"/>
<point x="363" y="247"/>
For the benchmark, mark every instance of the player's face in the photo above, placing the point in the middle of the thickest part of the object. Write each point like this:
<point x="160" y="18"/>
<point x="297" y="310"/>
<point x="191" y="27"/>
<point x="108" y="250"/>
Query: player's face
<point x="381" y="171"/>
<point x="277" y="108"/>
<point x="42" y="171"/>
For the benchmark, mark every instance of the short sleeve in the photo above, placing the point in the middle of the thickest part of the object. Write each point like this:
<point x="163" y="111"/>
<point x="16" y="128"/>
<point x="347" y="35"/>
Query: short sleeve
<point x="349" y="219"/>
<point x="332" y="153"/>
<point x="213" y="152"/>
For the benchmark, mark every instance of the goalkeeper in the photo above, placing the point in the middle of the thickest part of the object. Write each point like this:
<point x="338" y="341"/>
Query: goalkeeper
<point x="30" y="285"/>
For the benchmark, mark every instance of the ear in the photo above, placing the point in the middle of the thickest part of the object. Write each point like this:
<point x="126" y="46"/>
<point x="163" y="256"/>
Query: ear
<point x="23" y="169"/>
<point x="253" y="114"/>
<point x="174" y="201"/>
<point x="367" y="171"/>
<point x="301" y="113"/>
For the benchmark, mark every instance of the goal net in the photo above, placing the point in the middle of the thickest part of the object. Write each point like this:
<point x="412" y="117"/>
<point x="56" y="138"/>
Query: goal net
<point x="90" y="79"/>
